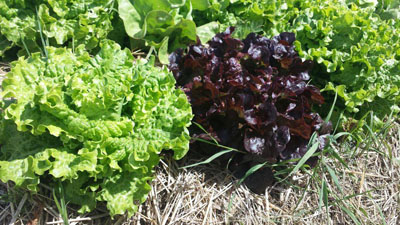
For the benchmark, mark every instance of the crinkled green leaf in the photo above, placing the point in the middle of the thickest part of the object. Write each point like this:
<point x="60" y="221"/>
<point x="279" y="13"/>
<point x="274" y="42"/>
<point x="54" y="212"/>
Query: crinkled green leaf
<point x="20" y="171"/>
<point x="124" y="192"/>
<point x="81" y="191"/>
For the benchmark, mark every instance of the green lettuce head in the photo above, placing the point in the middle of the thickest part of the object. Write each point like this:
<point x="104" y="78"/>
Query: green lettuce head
<point x="94" y="124"/>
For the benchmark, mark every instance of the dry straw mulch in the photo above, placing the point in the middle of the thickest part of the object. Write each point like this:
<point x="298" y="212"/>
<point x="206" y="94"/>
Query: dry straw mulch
<point x="208" y="195"/>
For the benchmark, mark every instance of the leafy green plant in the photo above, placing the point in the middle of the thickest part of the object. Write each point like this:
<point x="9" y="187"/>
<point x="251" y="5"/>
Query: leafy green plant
<point x="165" y="25"/>
<point x="94" y="124"/>
<point x="27" y="23"/>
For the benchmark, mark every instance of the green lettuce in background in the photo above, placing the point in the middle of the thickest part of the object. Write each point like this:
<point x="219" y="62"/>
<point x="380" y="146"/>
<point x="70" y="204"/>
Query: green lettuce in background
<point x="95" y="124"/>
<point x="386" y="9"/>
<point x="355" y="44"/>
<point x="164" y="24"/>
<point x="30" y="25"/>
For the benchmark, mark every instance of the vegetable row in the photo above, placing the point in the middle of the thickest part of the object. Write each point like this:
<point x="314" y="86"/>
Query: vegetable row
<point x="78" y="110"/>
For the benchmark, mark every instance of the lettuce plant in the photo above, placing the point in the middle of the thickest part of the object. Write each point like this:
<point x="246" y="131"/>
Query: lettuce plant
<point x="163" y="24"/>
<point x="252" y="95"/>
<point x="94" y="124"/>
<point x="353" y="42"/>
<point x="31" y="25"/>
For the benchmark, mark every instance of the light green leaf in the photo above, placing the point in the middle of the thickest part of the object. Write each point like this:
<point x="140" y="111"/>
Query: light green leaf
<point x="177" y="3"/>
<point x="200" y="4"/>
<point x="20" y="171"/>
<point x="163" y="51"/>
<point x="207" y="31"/>
<point x="134" y="24"/>
<point x="157" y="19"/>
<point x="124" y="192"/>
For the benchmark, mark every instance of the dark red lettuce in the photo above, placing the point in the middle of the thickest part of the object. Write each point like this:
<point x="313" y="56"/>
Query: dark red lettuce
<point x="251" y="94"/>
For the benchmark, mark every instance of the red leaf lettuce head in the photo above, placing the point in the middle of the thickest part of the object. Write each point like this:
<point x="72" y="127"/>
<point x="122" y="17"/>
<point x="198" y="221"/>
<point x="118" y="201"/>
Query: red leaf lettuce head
<point x="251" y="94"/>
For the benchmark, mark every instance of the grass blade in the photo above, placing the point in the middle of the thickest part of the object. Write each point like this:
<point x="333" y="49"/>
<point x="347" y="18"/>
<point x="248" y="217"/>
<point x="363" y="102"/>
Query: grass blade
<point x="328" y="117"/>
<point x="61" y="206"/>
<point x="149" y="53"/>
<point x="304" y="159"/>
<point x="26" y="47"/>
<point x="218" y="145"/>
<point x="204" y="130"/>
<point x="338" y="135"/>
<point x="323" y="196"/>
<point x="334" y="177"/>
<point x="41" y="34"/>
<point x="351" y="214"/>
<point x="334" y="154"/>
<point x="251" y="171"/>
<point x="379" y="209"/>
<point x="305" y="188"/>
<point x="216" y="155"/>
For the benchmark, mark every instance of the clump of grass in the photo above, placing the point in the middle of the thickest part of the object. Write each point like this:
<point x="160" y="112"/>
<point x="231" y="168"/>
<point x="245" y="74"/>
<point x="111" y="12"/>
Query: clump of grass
<point x="61" y="205"/>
